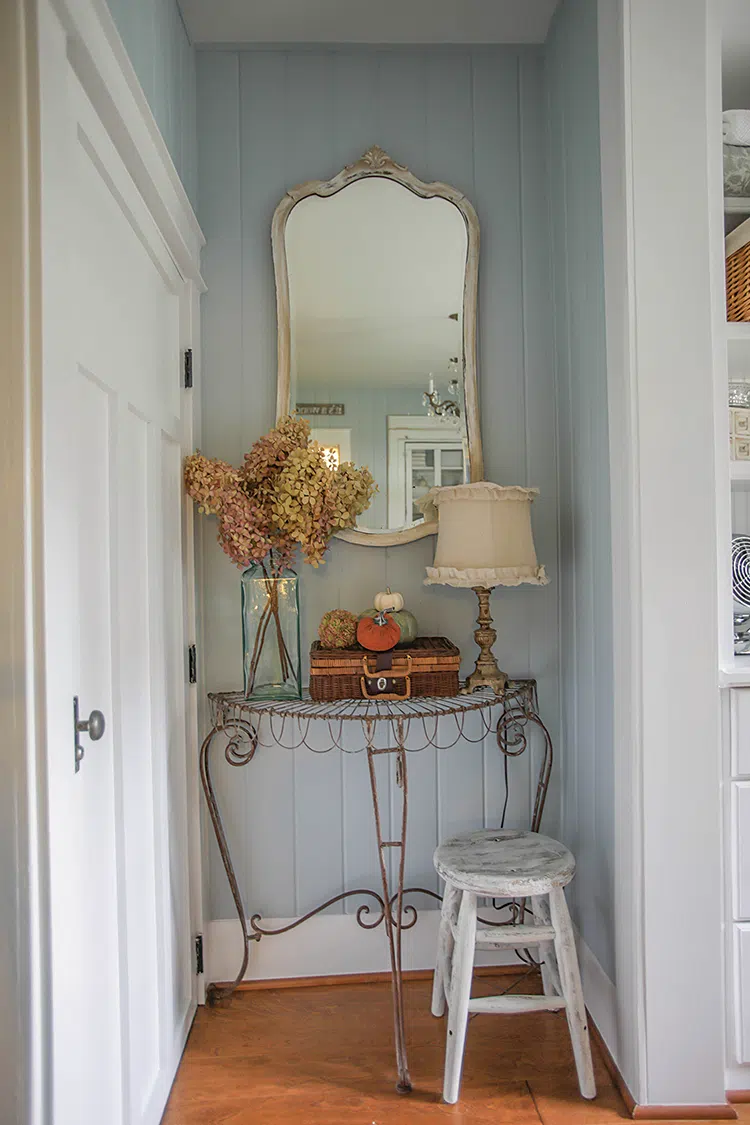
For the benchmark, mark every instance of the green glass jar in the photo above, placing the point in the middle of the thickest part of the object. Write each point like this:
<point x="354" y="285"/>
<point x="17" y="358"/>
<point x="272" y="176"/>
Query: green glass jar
<point x="270" y="635"/>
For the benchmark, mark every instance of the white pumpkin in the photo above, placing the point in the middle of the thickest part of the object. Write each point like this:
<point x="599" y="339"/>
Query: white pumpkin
<point x="385" y="600"/>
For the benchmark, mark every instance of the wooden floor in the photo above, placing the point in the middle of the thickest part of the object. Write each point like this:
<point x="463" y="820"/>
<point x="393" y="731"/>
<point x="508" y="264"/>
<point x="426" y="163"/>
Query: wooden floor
<point x="323" y="1056"/>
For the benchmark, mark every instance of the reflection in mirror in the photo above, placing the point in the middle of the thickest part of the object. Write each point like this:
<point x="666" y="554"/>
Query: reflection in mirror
<point x="376" y="300"/>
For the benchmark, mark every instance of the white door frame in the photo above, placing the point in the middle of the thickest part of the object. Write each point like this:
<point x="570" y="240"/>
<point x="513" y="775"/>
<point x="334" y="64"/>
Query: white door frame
<point x="23" y="1062"/>
<point x="109" y="79"/>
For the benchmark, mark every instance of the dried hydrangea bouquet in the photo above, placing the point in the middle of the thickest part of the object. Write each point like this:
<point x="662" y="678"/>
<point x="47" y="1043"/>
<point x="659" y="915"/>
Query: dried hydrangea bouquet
<point x="285" y="496"/>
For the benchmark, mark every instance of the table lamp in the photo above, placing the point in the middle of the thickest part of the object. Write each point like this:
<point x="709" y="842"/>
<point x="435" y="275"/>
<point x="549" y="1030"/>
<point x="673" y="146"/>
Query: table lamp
<point x="484" y="540"/>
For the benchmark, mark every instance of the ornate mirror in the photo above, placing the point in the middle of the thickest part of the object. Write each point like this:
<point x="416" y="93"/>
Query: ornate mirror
<point x="376" y="289"/>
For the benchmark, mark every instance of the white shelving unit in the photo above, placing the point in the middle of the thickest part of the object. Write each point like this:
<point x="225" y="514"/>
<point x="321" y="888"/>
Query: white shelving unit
<point x="733" y="362"/>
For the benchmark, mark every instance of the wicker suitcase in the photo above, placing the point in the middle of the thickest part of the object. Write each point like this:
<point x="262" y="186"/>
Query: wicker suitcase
<point x="429" y="666"/>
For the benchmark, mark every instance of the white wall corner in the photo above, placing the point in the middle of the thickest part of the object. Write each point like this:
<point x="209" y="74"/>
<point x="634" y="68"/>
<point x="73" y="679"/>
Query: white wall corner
<point x="615" y="141"/>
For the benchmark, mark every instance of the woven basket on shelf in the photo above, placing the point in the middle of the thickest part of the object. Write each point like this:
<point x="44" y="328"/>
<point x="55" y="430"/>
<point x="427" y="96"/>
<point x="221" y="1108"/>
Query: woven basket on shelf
<point x="737" y="252"/>
<point x="429" y="666"/>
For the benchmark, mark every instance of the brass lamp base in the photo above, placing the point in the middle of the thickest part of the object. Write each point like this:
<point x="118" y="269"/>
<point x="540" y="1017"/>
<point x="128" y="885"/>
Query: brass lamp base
<point x="486" y="673"/>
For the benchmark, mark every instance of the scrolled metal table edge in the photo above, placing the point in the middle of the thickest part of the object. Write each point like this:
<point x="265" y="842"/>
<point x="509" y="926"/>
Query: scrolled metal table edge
<point x="239" y="718"/>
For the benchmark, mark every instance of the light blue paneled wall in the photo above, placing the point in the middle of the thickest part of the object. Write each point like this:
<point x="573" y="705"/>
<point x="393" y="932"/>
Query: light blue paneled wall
<point x="585" y="546"/>
<point x="164" y="60"/>
<point x="300" y="823"/>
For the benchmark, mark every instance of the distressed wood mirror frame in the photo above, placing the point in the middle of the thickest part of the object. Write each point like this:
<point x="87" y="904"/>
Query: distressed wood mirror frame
<point x="376" y="162"/>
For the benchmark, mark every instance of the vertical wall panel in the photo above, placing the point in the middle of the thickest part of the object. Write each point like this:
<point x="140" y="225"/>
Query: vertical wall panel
<point x="541" y="606"/>
<point x="585" y="531"/>
<point x="355" y="104"/>
<point x="402" y="108"/>
<point x="269" y="119"/>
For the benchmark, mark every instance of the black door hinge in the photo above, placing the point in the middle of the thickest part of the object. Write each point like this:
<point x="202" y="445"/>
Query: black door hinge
<point x="199" y="954"/>
<point x="192" y="665"/>
<point x="188" y="367"/>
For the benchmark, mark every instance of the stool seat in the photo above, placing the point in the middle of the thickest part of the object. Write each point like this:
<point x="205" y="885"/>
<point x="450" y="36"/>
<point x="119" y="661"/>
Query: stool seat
<point x="504" y="863"/>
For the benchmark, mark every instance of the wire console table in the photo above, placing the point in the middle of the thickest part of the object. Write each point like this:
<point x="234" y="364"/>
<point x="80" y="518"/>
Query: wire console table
<point x="289" y="725"/>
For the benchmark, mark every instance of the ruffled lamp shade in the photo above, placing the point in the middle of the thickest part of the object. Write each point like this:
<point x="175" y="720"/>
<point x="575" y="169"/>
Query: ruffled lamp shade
<point x="484" y="536"/>
<point x="484" y="540"/>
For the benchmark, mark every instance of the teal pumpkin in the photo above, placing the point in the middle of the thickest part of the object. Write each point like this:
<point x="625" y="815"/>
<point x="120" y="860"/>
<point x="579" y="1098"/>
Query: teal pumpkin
<point x="405" y="620"/>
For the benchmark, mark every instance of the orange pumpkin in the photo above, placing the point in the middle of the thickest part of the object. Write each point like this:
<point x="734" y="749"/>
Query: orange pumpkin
<point x="378" y="634"/>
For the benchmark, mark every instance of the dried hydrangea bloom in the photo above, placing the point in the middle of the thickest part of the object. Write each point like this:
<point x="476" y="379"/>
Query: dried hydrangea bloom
<point x="285" y="496"/>
<point x="270" y="452"/>
<point x="244" y="530"/>
<point x="207" y="480"/>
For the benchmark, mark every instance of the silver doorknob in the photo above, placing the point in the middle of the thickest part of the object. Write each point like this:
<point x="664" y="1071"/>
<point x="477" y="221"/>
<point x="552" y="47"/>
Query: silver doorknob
<point x="93" y="726"/>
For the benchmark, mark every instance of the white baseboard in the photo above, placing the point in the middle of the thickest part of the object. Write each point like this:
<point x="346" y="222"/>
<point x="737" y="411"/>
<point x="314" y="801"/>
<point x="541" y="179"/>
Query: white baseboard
<point x="334" y="945"/>
<point x="600" y="995"/>
<point x="329" y="945"/>
<point x="737" y="1078"/>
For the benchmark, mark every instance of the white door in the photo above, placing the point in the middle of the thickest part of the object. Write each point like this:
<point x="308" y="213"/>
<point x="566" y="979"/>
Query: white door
<point x="123" y="984"/>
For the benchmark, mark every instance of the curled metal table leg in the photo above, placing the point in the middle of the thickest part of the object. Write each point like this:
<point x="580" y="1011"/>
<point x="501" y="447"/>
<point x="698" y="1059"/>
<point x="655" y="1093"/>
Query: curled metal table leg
<point x="521" y="709"/>
<point x="241" y="734"/>
<point x="393" y="924"/>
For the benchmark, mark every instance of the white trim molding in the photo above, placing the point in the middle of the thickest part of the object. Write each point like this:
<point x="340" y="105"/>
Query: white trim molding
<point x="600" y="995"/>
<point x="106" y="73"/>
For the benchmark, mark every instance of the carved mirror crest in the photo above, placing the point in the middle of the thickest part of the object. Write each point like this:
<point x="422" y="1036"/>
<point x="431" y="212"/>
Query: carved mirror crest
<point x="376" y="292"/>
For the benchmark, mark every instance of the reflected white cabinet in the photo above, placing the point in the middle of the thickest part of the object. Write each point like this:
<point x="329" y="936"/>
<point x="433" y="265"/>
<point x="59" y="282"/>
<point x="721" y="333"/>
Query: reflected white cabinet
<point x="430" y="466"/>
<point x="423" y="452"/>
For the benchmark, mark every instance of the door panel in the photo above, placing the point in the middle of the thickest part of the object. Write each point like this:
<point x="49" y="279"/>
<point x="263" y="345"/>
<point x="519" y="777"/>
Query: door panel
<point x="123" y="988"/>
<point x="90" y="903"/>
<point x="181" y="996"/>
<point x="141" y="844"/>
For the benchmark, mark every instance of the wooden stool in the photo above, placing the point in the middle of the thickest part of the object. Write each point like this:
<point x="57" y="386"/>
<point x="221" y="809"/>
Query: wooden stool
<point x="506" y="864"/>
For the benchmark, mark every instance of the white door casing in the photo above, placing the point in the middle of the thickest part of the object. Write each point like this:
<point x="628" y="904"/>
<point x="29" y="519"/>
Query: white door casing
<point x="118" y="616"/>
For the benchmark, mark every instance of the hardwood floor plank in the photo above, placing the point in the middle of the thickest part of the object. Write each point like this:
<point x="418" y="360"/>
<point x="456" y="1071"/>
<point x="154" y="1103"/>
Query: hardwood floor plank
<point x="324" y="1056"/>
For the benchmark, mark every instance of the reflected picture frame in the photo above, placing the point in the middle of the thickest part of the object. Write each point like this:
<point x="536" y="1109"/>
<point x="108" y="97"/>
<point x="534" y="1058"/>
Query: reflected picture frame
<point x="375" y="162"/>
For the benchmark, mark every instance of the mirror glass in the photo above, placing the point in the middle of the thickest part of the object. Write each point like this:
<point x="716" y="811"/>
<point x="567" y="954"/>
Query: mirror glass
<point x="376" y="300"/>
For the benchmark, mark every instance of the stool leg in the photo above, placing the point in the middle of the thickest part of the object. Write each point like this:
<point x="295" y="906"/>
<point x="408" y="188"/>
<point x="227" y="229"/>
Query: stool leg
<point x="442" y="976"/>
<point x="550" y="973"/>
<point x="570" y="978"/>
<point x="458" y="999"/>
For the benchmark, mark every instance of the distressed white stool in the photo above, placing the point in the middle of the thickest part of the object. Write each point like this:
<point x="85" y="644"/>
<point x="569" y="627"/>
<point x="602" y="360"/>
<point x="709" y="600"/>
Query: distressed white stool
<point x="514" y="865"/>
